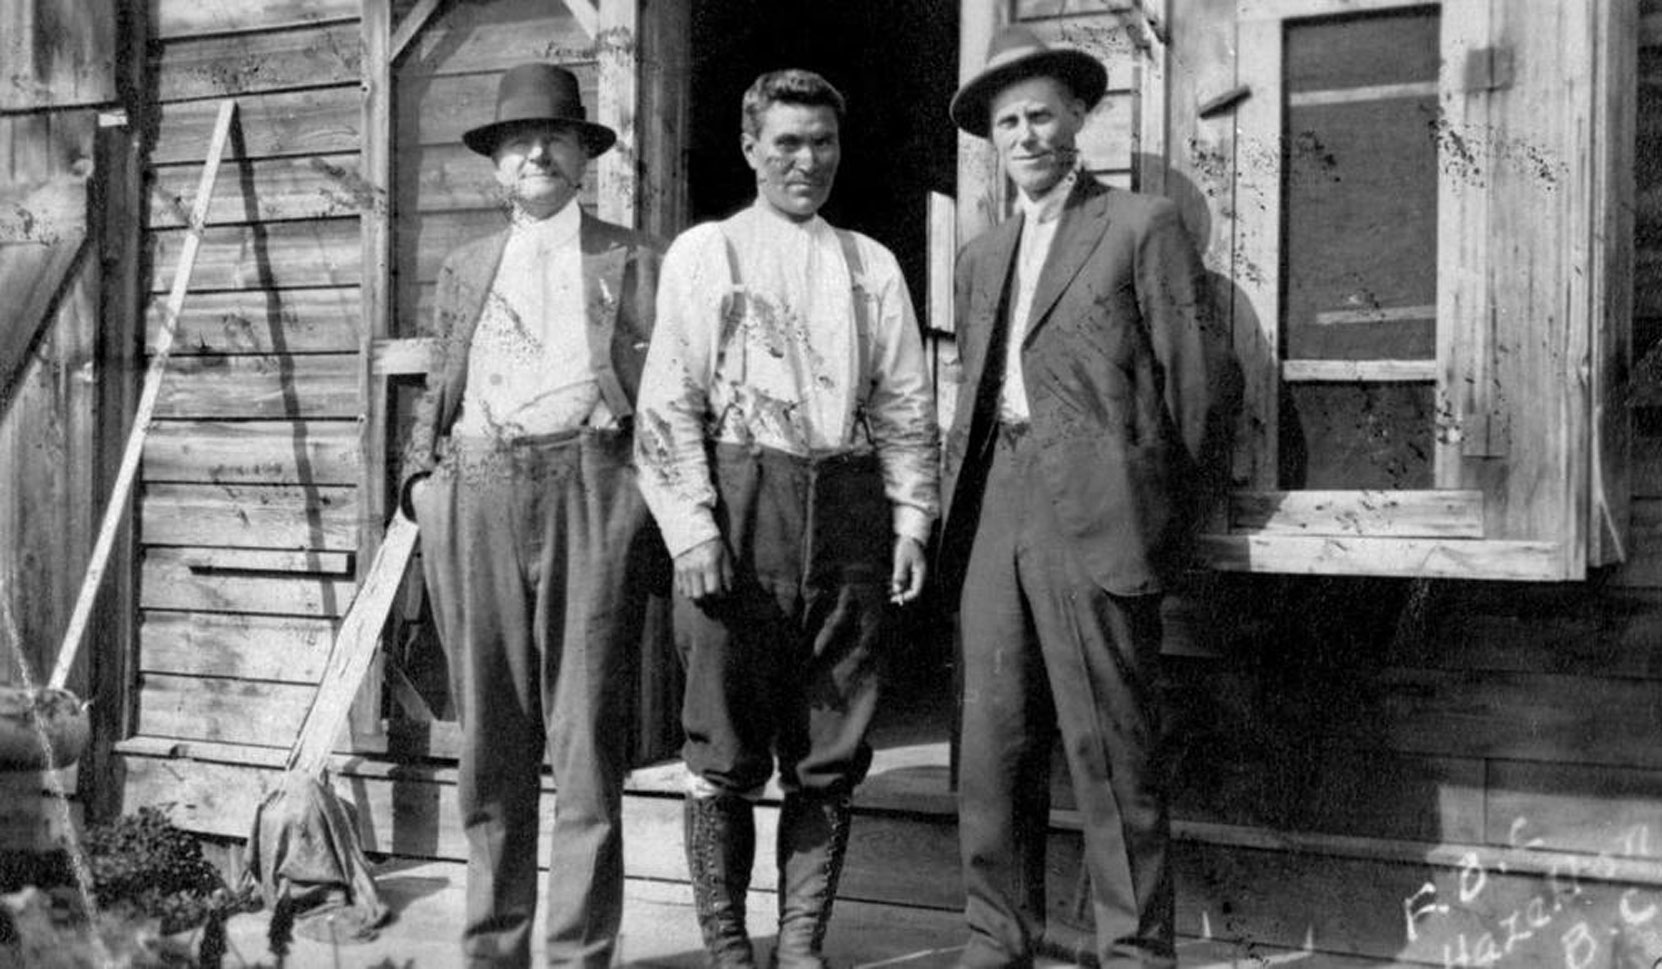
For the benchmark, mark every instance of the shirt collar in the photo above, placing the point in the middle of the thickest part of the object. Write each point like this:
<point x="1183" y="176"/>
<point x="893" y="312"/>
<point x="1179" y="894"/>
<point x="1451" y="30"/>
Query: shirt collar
<point x="776" y="221"/>
<point x="555" y="230"/>
<point x="1048" y="207"/>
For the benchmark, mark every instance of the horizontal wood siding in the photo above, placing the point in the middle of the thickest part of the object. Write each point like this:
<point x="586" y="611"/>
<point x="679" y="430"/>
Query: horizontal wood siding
<point x="248" y="514"/>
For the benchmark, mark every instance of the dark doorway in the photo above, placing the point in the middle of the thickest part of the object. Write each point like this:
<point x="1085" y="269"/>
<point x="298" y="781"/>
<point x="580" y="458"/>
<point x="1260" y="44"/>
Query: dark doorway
<point x="897" y="65"/>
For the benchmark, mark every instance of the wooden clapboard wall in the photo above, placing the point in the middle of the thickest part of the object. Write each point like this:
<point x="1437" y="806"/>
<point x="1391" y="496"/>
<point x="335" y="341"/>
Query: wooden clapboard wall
<point x="248" y="513"/>
<point x="1352" y="756"/>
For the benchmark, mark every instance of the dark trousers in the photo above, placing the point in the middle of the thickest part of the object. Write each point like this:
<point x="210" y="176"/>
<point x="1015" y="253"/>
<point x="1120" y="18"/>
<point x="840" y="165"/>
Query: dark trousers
<point x="1045" y="648"/>
<point x="787" y="661"/>
<point x="534" y="554"/>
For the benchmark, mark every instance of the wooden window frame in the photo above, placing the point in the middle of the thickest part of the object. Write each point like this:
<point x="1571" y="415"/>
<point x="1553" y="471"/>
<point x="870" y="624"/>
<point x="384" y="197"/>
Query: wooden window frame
<point x="1439" y="532"/>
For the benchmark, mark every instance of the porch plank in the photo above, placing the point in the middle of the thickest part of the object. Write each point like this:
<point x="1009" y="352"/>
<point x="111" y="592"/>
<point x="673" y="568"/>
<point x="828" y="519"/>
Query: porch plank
<point x="228" y="65"/>
<point x="251" y="516"/>
<point x="315" y="252"/>
<point x="223" y="710"/>
<point x="181" y="18"/>
<point x="260" y="387"/>
<point x="253" y="452"/>
<point x="280" y="648"/>
<point x="297" y="321"/>
<point x="316" y="121"/>
<point x="264" y="190"/>
<point x="167" y="581"/>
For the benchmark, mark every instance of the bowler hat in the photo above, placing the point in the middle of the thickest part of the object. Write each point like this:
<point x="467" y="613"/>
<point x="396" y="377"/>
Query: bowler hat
<point x="539" y="93"/>
<point x="1015" y="54"/>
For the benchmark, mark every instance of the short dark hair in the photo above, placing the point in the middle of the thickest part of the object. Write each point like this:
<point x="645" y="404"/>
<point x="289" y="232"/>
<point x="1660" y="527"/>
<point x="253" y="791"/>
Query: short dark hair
<point x="790" y="86"/>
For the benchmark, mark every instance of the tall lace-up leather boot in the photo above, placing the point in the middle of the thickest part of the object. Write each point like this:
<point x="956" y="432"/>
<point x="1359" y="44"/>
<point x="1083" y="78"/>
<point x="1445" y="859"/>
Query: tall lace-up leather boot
<point x="813" y="839"/>
<point x="721" y="845"/>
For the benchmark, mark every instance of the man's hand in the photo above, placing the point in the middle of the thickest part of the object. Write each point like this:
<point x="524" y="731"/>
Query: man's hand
<point x="704" y="570"/>
<point x="906" y="582"/>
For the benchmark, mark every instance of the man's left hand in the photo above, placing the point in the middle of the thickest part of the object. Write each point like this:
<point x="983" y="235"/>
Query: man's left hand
<point x="906" y="582"/>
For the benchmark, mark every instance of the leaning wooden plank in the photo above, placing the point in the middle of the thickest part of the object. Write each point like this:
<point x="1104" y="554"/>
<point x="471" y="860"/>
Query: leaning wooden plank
<point x="1406" y="514"/>
<point x="272" y="452"/>
<point x="282" y="648"/>
<point x="250" y="516"/>
<point x="314" y="122"/>
<point x="121" y="491"/>
<point x="319" y="252"/>
<point x="225" y="710"/>
<point x="166" y="581"/>
<point x="228" y="65"/>
<point x="355" y="647"/>
<point x="264" y="387"/>
<point x="266" y="190"/>
<point x="298" y="321"/>
<point x="184" y="18"/>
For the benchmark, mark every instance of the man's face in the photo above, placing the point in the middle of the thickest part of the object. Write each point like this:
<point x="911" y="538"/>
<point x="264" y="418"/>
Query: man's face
<point x="795" y="157"/>
<point x="540" y="166"/>
<point x="1034" y="123"/>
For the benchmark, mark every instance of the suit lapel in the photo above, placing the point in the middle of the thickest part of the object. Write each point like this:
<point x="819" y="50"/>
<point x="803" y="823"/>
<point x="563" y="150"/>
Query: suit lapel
<point x="602" y="276"/>
<point x="477" y="275"/>
<point x="991" y="276"/>
<point x="1078" y="235"/>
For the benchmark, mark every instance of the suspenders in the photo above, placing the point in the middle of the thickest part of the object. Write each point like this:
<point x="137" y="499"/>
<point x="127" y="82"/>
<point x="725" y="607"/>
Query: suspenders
<point x="862" y="317"/>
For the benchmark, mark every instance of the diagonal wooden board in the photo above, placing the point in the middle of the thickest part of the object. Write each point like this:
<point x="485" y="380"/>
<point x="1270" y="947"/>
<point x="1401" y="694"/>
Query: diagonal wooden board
<point x="354" y="648"/>
<point x="42" y="231"/>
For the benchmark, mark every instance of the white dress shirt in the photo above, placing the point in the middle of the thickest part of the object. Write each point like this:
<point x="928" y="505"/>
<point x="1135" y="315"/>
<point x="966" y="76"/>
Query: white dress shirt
<point x="1040" y="216"/>
<point x="777" y="358"/>
<point x="529" y="367"/>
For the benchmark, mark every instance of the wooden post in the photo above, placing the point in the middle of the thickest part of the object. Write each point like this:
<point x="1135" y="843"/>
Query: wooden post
<point x="120" y="234"/>
<point x="665" y="36"/>
<point x="981" y="195"/>
<point x="375" y="230"/>
<point x="615" y="52"/>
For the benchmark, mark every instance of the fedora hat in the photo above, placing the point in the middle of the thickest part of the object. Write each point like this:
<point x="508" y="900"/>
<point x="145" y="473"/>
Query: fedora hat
<point x="539" y="93"/>
<point x="1016" y="53"/>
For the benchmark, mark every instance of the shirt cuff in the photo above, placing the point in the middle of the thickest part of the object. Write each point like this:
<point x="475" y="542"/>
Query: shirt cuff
<point x="911" y="522"/>
<point x="688" y="530"/>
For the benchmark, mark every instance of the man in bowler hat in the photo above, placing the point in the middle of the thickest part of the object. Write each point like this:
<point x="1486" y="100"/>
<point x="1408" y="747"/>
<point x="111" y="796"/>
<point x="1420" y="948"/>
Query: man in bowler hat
<point x="1090" y="423"/>
<point x="538" y="550"/>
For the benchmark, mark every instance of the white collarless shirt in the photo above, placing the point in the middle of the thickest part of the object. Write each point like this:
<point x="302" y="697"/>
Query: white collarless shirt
<point x="1040" y="217"/>
<point x="529" y="365"/>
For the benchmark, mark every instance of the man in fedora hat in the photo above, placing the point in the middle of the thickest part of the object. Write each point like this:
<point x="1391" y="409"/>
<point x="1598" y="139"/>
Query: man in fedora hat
<point x="537" y="547"/>
<point x="787" y="445"/>
<point x="1089" y="422"/>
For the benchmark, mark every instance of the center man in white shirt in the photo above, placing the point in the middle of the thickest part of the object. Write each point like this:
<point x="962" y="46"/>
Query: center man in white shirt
<point x="788" y="450"/>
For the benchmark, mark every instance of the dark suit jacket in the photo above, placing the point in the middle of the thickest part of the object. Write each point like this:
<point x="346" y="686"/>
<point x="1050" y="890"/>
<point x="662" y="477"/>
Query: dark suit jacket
<point x="620" y="276"/>
<point x="1130" y="384"/>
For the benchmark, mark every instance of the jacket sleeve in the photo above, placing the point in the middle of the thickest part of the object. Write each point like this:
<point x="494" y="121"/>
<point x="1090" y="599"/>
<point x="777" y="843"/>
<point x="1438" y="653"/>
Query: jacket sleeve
<point x="420" y="456"/>
<point x="1202" y="377"/>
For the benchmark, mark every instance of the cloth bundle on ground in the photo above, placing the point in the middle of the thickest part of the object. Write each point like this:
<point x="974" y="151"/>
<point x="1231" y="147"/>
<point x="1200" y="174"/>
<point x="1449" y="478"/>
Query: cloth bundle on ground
<point x="304" y="853"/>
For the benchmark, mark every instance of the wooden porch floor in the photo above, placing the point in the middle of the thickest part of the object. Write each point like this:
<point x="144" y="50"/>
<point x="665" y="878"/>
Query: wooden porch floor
<point x="659" y="931"/>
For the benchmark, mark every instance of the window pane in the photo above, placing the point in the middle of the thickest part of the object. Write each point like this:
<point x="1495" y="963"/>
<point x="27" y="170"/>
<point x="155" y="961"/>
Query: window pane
<point x="1361" y="190"/>
<point x="1345" y="436"/>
